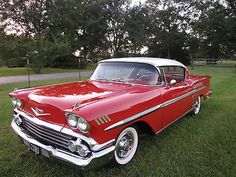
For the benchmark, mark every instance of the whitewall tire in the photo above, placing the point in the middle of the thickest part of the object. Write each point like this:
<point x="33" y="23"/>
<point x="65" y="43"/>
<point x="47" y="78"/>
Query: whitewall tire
<point x="126" y="146"/>
<point x="197" y="108"/>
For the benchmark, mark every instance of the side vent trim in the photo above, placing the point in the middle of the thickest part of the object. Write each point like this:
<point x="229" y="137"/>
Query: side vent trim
<point x="102" y="120"/>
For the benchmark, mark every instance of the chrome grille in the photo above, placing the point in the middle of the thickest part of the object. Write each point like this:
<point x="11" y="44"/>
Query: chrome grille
<point x="46" y="135"/>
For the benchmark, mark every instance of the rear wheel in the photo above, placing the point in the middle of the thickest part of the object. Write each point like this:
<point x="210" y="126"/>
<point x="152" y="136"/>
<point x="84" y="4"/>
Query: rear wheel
<point x="197" y="108"/>
<point x="126" y="146"/>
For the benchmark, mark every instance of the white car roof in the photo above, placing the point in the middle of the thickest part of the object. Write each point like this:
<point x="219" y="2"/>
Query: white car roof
<point x="149" y="60"/>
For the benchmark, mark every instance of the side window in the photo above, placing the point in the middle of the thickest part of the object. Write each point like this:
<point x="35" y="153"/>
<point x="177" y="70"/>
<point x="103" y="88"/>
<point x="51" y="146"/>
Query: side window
<point x="174" y="72"/>
<point x="149" y="76"/>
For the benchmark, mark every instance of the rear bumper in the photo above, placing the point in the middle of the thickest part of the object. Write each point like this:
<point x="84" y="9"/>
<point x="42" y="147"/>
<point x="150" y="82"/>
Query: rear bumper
<point x="96" y="157"/>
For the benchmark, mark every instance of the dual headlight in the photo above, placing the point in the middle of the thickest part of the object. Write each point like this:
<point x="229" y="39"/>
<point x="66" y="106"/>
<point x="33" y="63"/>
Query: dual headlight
<point x="16" y="102"/>
<point x="77" y="122"/>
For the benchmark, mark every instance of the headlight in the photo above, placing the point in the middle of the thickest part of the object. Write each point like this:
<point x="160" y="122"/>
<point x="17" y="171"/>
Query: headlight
<point x="72" y="120"/>
<point x="16" y="102"/>
<point x="13" y="100"/>
<point x="83" y="125"/>
<point x="19" y="103"/>
<point x="78" y="122"/>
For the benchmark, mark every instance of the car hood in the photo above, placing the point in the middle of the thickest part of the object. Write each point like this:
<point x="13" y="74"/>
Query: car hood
<point x="50" y="102"/>
<point x="65" y="96"/>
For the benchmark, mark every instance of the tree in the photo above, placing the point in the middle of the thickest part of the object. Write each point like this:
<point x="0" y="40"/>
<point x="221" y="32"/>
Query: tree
<point x="137" y="24"/>
<point x="48" y="29"/>
<point x="82" y="22"/>
<point x="29" y="15"/>
<point x="168" y="30"/>
<point x="41" y="51"/>
<point x="215" y="29"/>
<point x="37" y="43"/>
<point x="13" y="49"/>
<point x="116" y="35"/>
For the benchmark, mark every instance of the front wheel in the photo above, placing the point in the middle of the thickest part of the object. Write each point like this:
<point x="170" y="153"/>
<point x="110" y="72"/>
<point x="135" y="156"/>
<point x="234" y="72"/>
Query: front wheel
<point x="126" y="146"/>
<point x="197" y="108"/>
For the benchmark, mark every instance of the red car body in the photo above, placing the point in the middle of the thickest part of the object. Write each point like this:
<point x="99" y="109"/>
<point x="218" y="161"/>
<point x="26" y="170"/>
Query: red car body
<point x="108" y="107"/>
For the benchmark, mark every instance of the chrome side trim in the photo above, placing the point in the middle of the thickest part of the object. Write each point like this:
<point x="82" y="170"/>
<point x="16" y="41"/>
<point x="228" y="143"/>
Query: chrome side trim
<point x="102" y="146"/>
<point x="155" y="108"/>
<point x="182" y="96"/>
<point x="122" y="122"/>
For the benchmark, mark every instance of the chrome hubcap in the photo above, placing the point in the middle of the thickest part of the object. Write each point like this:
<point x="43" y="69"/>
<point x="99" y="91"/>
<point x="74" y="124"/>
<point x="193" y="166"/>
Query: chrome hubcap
<point x="125" y="145"/>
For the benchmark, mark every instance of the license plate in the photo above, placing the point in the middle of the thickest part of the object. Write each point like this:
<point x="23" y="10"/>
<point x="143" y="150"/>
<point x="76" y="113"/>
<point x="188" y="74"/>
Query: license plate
<point x="34" y="148"/>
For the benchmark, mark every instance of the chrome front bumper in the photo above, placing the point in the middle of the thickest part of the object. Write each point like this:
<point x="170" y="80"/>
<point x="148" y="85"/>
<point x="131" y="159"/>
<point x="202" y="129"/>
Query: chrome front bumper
<point x="102" y="155"/>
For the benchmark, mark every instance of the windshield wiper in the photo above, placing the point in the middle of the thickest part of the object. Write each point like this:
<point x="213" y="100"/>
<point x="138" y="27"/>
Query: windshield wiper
<point x="112" y="80"/>
<point x="118" y="80"/>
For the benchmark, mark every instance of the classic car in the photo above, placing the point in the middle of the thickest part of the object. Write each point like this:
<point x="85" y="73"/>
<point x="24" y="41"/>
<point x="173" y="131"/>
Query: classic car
<point x="90" y="122"/>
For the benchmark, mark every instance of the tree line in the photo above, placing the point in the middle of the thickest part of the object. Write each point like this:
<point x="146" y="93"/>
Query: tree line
<point x="49" y="31"/>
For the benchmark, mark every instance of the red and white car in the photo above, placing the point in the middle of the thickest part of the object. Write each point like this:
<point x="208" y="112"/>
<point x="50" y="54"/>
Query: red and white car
<point x="99" y="119"/>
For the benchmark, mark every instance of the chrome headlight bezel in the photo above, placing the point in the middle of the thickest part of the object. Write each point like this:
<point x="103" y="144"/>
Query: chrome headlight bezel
<point x="75" y="121"/>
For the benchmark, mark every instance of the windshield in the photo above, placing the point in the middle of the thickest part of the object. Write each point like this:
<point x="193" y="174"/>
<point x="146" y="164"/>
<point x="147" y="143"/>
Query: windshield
<point x="137" y="73"/>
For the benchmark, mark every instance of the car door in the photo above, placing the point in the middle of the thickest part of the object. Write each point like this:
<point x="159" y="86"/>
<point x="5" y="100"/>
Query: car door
<point x="177" y="100"/>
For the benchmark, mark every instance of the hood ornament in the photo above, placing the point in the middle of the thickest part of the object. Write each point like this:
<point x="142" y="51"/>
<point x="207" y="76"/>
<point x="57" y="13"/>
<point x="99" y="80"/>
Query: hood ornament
<point x="39" y="112"/>
<point x="76" y="106"/>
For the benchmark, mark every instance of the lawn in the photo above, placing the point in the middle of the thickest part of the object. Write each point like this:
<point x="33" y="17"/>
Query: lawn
<point x="4" y="71"/>
<point x="201" y="146"/>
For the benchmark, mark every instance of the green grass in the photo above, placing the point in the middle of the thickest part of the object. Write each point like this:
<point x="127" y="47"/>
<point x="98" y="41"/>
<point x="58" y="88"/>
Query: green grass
<point x="4" y="71"/>
<point x="201" y="146"/>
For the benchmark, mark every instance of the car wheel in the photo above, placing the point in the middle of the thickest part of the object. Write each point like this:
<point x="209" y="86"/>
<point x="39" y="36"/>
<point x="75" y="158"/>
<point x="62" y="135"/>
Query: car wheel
<point x="126" y="146"/>
<point x="197" y="108"/>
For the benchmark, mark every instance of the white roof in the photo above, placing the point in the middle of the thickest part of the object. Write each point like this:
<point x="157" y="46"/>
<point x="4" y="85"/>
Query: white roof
<point x="153" y="61"/>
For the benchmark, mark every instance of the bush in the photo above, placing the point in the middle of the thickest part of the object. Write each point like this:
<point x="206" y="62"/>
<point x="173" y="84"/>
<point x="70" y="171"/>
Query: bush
<point x="36" y="64"/>
<point x="68" y="62"/>
<point x="15" y="62"/>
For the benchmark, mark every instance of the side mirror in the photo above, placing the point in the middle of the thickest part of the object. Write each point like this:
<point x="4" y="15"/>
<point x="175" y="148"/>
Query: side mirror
<point x="173" y="82"/>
